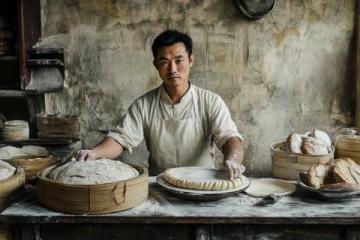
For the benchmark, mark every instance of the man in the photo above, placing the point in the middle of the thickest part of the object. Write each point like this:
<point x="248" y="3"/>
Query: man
<point x="179" y="121"/>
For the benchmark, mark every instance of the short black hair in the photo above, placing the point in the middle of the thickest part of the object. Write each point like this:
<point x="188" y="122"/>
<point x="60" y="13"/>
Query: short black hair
<point x="170" y="37"/>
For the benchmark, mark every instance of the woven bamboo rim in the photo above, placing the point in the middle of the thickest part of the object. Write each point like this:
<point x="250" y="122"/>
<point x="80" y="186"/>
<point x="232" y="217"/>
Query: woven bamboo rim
<point x="32" y="165"/>
<point x="11" y="185"/>
<point x="92" y="199"/>
<point x="287" y="165"/>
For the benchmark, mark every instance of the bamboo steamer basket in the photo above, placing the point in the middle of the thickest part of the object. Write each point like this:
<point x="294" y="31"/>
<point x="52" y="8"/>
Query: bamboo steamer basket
<point x="16" y="130"/>
<point x="32" y="165"/>
<point x="10" y="187"/>
<point x="347" y="146"/>
<point x="58" y="127"/>
<point x="93" y="199"/>
<point x="288" y="165"/>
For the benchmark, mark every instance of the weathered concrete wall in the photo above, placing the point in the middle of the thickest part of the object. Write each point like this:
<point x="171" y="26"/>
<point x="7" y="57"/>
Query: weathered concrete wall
<point x="291" y="71"/>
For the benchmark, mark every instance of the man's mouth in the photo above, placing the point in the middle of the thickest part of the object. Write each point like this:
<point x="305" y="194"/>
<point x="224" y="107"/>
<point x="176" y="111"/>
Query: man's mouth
<point x="172" y="77"/>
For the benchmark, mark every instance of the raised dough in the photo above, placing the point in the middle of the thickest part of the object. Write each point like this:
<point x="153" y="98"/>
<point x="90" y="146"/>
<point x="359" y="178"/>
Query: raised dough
<point x="199" y="178"/>
<point x="314" y="146"/>
<point x="294" y="142"/>
<point x="9" y="152"/>
<point x="6" y="170"/>
<point x="319" y="175"/>
<point x="346" y="170"/>
<point x="92" y="172"/>
<point x="318" y="134"/>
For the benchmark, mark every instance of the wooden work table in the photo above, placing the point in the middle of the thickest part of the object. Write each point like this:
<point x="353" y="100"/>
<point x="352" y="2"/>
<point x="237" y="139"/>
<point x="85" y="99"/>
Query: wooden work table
<point x="164" y="216"/>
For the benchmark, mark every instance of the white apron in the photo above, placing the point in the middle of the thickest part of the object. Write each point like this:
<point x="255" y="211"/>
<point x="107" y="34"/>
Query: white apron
<point x="174" y="143"/>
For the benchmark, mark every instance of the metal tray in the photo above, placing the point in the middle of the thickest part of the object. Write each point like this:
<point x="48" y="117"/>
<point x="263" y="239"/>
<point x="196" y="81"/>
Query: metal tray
<point x="329" y="195"/>
<point x="198" y="195"/>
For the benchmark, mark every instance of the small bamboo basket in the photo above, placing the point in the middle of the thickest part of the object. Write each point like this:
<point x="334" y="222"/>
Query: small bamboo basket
<point x="288" y="165"/>
<point x="58" y="126"/>
<point x="11" y="187"/>
<point x="347" y="146"/>
<point x="93" y="199"/>
<point x="32" y="165"/>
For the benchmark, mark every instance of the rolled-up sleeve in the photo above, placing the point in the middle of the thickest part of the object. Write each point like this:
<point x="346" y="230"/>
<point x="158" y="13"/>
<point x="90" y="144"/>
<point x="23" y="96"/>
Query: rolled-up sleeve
<point x="221" y="124"/>
<point x="130" y="131"/>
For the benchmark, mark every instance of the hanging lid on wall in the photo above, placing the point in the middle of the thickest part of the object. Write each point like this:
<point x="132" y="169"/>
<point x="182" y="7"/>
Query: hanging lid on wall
<point x="254" y="9"/>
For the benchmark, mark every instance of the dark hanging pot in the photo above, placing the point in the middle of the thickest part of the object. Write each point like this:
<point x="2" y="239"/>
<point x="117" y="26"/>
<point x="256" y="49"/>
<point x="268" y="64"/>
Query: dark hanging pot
<point x="254" y="9"/>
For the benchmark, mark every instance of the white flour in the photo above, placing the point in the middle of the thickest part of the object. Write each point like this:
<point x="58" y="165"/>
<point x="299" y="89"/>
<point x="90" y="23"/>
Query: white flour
<point x="92" y="172"/>
<point x="9" y="152"/>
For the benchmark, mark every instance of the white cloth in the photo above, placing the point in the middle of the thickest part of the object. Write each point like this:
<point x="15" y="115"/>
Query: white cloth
<point x="177" y="135"/>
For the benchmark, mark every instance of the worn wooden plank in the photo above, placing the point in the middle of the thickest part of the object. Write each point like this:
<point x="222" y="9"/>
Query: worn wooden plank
<point x="357" y="61"/>
<point x="352" y="233"/>
<point x="115" y="231"/>
<point x="165" y="208"/>
<point x="180" y="232"/>
<point x="12" y="93"/>
<point x="232" y="232"/>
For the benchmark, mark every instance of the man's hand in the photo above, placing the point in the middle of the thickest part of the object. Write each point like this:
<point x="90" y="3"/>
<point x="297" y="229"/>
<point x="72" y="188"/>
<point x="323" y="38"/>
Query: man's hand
<point x="86" y="155"/>
<point x="233" y="151"/>
<point x="233" y="166"/>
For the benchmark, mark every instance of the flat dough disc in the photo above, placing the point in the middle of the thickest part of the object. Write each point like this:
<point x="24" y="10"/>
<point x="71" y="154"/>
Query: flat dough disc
<point x="263" y="187"/>
<point x="199" y="178"/>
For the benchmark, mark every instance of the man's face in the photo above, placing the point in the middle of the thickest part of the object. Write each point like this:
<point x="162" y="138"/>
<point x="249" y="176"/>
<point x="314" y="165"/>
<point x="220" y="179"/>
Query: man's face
<point x="173" y="64"/>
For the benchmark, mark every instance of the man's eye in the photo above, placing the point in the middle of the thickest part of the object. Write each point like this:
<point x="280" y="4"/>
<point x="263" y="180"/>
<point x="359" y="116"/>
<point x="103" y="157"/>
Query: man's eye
<point x="179" y="61"/>
<point x="162" y="63"/>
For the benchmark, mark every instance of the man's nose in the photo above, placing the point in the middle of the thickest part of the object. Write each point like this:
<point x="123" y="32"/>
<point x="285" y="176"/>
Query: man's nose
<point x="172" y="67"/>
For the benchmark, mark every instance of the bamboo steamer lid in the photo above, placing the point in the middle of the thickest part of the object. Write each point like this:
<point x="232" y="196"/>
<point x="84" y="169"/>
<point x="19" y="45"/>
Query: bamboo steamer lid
<point x="92" y="199"/>
<point x="10" y="186"/>
<point x="16" y="130"/>
<point x="288" y="165"/>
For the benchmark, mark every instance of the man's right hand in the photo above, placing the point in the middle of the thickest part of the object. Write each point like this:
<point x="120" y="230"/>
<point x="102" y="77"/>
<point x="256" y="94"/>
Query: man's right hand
<point x="86" y="155"/>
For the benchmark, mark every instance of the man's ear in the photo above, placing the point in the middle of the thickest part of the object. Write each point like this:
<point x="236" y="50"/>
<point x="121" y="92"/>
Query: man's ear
<point x="154" y="63"/>
<point x="191" y="60"/>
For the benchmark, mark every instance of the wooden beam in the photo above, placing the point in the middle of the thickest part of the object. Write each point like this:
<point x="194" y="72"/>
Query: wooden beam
<point x="357" y="62"/>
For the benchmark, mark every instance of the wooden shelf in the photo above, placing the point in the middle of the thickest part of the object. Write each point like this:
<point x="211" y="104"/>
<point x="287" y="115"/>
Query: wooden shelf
<point x="16" y="93"/>
<point x="41" y="142"/>
<point x="8" y="58"/>
<point x="44" y="62"/>
<point x="12" y="93"/>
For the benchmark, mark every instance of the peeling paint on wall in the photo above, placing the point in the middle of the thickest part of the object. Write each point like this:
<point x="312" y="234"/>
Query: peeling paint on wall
<point x="290" y="71"/>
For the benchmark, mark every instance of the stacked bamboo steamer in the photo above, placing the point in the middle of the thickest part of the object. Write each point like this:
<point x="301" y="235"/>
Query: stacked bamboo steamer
<point x="92" y="199"/>
<point x="31" y="164"/>
<point x="347" y="144"/>
<point x="287" y="165"/>
<point x="10" y="187"/>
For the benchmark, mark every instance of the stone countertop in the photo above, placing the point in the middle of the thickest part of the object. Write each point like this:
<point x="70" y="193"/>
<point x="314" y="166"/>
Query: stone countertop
<point x="162" y="207"/>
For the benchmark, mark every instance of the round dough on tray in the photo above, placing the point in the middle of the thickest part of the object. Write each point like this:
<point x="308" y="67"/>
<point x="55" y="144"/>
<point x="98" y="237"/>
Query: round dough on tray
<point x="198" y="178"/>
<point x="92" y="172"/>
